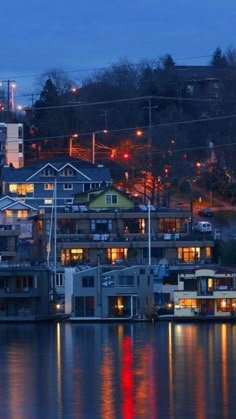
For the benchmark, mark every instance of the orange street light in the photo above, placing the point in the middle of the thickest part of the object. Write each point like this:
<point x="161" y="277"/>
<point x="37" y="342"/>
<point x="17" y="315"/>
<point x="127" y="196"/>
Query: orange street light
<point x="104" y="131"/>
<point x="72" y="137"/>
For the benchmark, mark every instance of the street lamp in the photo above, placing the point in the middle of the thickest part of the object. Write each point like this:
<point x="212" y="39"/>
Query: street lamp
<point x="72" y="137"/>
<point x="94" y="142"/>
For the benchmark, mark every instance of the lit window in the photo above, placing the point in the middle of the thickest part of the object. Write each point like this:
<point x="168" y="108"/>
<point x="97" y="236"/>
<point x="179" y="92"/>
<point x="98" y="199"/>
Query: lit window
<point x="48" y="186"/>
<point x="48" y="201"/>
<point x="22" y="214"/>
<point x="188" y="303"/>
<point x="208" y="252"/>
<point x="13" y="188"/>
<point x="224" y="304"/>
<point x="117" y="254"/>
<point x="188" y="254"/>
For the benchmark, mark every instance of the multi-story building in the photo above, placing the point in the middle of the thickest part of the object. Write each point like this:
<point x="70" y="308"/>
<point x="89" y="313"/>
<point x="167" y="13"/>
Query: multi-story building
<point x="12" y="144"/>
<point x="205" y="291"/>
<point x="103" y="230"/>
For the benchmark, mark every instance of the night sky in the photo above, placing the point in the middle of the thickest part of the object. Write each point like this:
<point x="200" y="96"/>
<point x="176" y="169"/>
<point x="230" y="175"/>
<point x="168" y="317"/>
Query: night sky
<point x="38" y="35"/>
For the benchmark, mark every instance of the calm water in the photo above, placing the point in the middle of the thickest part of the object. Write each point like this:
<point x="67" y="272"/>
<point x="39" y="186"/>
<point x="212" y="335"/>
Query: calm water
<point x="108" y="371"/>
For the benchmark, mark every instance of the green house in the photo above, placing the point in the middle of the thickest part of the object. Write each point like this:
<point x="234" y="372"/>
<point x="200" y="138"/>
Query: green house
<point x="111" y="198"/>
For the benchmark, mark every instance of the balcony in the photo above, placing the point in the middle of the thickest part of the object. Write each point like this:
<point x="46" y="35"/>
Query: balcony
<point x="22" y="293"/>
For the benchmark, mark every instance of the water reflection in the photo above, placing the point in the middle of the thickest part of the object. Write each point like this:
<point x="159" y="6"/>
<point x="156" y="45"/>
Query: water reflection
<point x="118" y="371"/>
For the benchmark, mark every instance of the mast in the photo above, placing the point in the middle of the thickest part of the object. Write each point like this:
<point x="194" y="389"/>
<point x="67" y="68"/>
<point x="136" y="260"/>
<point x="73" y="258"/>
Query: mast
<point x="149" y="233"/>
<point x="55" y="231"/>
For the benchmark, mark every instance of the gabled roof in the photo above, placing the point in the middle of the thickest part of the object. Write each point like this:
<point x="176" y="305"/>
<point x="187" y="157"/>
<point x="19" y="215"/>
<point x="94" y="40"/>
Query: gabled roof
<point x="87" y="170"/>
<point x="57" y="169"/>
<point x="6" y="200"/>
<point x="18" y="205"/>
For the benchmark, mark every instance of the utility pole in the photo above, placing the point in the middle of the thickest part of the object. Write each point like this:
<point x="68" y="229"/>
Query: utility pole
<point x="150" y="108"/>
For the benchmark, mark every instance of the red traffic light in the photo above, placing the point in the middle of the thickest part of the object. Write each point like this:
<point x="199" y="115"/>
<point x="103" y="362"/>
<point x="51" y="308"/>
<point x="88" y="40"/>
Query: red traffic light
<point x="126" y="156"/>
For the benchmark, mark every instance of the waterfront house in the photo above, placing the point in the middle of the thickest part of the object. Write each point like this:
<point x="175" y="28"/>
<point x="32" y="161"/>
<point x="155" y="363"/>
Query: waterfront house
<point x="25" y="292"/>
<point x="101" y="292"/>
<point x="206" y="291"/>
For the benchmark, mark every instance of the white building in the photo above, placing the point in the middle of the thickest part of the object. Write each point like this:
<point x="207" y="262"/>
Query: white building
<point x="12" y="144"/>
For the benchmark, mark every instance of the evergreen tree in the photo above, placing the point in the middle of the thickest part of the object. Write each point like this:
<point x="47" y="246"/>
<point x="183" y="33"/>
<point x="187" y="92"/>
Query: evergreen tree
<point x="218" y="59"/>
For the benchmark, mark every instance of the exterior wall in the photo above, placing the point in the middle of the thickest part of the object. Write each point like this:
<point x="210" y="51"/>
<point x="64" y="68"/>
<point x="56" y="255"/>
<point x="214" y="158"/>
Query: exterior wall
<point x="123" y="202"/>
<point x="21" y="298"/>
<point x="81" y="231"/>
<point x="15" y="141"/>
<point x="142" y="288"/>
<point x="206" y="300"/>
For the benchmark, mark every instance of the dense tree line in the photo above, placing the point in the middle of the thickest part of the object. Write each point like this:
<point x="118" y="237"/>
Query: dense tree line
<point x="159" y="97"/>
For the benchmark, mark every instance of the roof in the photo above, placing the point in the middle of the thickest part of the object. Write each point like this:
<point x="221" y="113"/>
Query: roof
<point x="199" y="72"/>
<point x="88" y="170"/>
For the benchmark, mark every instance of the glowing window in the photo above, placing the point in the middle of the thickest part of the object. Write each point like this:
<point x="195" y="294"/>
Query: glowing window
<point x="48" y="186"/>
<point x="117" y="254"/>
<point x="13" y="188"/>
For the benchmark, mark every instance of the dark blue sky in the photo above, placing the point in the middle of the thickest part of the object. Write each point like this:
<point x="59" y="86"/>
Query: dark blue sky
<point x="37" y="35"/>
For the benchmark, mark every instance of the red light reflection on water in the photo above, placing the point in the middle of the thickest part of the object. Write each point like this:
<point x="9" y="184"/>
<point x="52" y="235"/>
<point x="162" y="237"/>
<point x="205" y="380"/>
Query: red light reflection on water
<point x="127" y="379"/>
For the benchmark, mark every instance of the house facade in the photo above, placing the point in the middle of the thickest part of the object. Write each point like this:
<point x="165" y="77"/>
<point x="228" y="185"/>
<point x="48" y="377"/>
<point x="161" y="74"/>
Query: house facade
<point x="117" y="293"/>
<point x="24" y="292"/>
<point x="206" y="292"/>
<point x="121" y="236"/>
<point x="41" y="184"/>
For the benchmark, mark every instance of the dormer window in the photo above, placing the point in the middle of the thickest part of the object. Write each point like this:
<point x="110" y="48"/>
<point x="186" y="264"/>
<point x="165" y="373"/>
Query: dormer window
<point x="48" y="171"/>
<point x="67" y="171"/>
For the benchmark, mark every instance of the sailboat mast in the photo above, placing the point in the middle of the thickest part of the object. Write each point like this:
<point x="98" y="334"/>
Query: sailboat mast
<point x="55" y="231"/>
<point x="149" y="234"/>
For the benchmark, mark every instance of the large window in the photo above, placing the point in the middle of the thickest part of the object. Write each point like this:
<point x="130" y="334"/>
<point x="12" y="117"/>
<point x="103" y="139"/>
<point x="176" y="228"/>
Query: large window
<point x="23" y="283"/>
<point x="101" y="226"/>
<point x="226" y="304"/>
<point x="84" y="306"/>
<point x="132" y="226"/>
<point x="73" y="255"/>
<point x="188" y="303"/>
<point x="169" y="225"/>
<point x="188" y="254"/>
<point x="117" y="254"/>
<point x="21" y="189"/>
<point x="22" y="214"/>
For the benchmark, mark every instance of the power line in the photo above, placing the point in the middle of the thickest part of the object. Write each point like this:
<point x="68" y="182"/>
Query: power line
<point x="163" y="124"/>
<point x="106" y="102"/>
